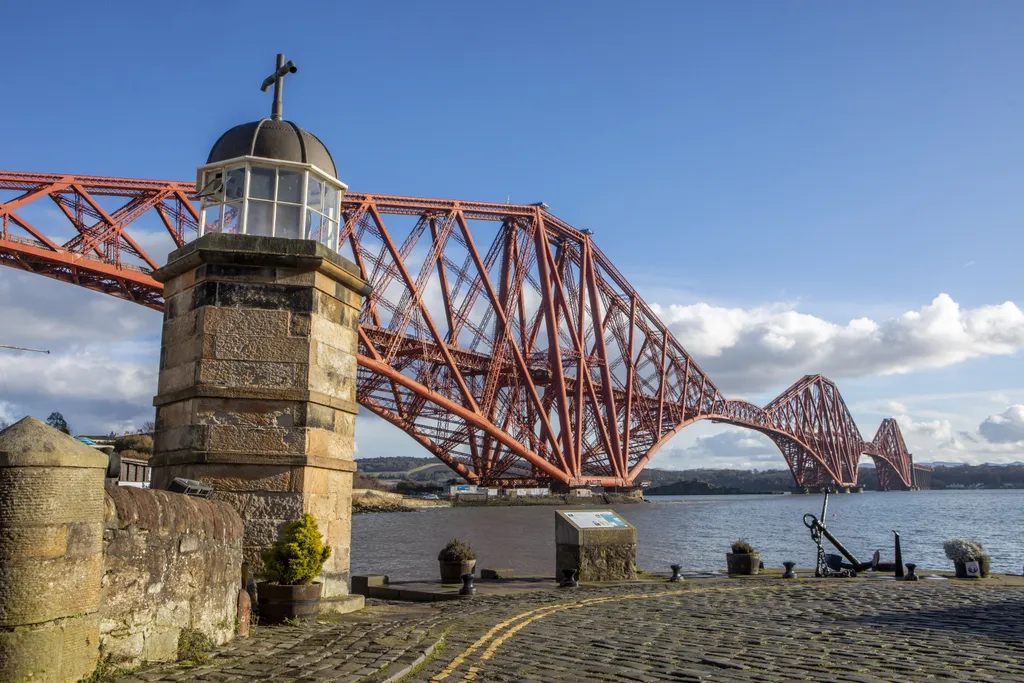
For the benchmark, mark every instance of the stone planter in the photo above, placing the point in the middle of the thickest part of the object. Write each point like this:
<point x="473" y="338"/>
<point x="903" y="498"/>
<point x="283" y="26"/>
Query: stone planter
<point x="452" y="571"/>
<point x="983" y="563"/>
<point x="277" y="602"/>
<point x="743" y="564"/>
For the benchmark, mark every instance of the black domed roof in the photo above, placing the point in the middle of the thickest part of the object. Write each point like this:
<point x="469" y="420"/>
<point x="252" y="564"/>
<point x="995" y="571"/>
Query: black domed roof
<point x="273" y="140"/>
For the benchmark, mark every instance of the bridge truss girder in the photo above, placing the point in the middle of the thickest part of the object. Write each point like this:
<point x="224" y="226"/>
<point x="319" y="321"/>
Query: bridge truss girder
<point x="498" y="336"/>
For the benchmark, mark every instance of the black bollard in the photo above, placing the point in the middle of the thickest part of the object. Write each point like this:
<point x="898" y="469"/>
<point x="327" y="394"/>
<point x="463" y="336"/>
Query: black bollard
<point x="676" y="573"/>
<point x="467" y="585"/>
<point x="568" y="579"/>
<point x="911" y="576"/>
<point x="899" y="556"/>
<point x="789" y="573"/>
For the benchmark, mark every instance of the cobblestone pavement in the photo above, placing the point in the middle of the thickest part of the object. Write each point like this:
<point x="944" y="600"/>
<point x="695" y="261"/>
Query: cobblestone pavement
<point x="369" y="646"/>
<point x="718" y="630"/>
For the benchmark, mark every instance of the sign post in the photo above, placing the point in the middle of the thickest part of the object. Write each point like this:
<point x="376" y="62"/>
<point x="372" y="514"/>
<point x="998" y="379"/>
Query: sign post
<point x="599" y="544"/>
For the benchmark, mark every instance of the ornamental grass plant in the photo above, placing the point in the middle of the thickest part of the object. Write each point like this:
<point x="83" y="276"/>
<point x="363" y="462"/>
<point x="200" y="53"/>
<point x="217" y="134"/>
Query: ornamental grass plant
<point x="963" y="550"/>
<point x="742" y="547"/>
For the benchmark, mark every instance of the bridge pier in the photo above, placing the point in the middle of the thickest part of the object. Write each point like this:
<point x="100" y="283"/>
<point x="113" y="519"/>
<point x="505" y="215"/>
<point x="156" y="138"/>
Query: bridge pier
<point x="256" y="393"/>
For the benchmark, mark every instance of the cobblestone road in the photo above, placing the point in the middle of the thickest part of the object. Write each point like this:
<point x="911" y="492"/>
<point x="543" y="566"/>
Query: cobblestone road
<point x="724" y="630"/>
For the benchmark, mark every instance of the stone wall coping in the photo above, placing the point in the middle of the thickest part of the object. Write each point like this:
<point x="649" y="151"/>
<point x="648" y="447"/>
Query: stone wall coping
<point x="256" y="250"/>
<point x="155" y="510"/>
<point x="31" y="443"/>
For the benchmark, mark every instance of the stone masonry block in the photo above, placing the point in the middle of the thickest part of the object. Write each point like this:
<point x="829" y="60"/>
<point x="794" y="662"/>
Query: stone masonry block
<point x="338" y="383"/>
<point x="264" y="505"/>
<point x="327" y="333"/>
<point x="65" y="650"/>
<point x="266" y="349"/>
<point x="183" y="327"/>
<point x="187" y="350"/>
<point x="257" y="440"/>
<point x="249" y="413"/>
<point x="35" y="590"/>
<point x="178" y="414"/>
<point x="231" y="477"/>
<point x="250" y="374"/>
<point x="328" y="444"/>
<point x="177" y="377"/>
<point x="255" y="323"/>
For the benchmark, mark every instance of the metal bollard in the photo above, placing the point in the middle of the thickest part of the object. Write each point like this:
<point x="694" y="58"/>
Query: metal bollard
<point x="676" y="573"/>
<point x="568" y="579"/>
<point x="467" y="585"/>
<point x="911" y="576"/>
<point x="789" y="573"/>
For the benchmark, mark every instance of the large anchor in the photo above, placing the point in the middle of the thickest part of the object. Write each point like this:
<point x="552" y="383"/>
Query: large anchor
<point x="836" y="568"/>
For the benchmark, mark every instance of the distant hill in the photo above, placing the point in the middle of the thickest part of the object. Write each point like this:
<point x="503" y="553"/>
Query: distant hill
<point x="430" y="470"/>
<point x="738" y="481"/>
<point x="402" y="468"/>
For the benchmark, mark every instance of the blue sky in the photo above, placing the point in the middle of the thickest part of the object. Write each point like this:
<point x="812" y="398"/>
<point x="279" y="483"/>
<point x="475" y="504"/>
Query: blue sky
<point x="836" y="161"/>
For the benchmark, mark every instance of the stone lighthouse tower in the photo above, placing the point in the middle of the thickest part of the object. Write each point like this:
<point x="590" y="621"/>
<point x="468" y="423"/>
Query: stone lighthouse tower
<point x="256" y="394"/>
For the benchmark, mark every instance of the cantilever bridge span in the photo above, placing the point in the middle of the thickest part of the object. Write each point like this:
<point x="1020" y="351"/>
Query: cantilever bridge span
<point x="497" y="336"/>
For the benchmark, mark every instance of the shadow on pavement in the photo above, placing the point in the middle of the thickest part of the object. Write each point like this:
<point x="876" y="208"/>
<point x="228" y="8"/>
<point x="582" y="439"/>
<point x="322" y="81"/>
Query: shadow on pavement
<point x="995" y="620"/>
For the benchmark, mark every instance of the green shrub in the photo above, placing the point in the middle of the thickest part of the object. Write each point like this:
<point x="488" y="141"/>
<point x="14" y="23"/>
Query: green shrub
<point x="299" y="555"/>
<point x="456" y="551"/>
<point x="742" y="548"/>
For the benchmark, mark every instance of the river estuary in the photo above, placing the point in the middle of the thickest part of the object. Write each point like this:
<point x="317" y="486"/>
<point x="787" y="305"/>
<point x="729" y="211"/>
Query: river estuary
<point x="696" y="531"/>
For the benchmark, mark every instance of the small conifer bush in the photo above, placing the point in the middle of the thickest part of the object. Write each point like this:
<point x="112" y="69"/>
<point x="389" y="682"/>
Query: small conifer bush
<point x="299" y="555"/>
<point x="456" y="551"/>
<point x="742" y="548"/>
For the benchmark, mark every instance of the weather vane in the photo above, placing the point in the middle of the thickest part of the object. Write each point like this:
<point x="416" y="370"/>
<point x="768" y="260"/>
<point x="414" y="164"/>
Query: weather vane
<point x="275" y="79"/>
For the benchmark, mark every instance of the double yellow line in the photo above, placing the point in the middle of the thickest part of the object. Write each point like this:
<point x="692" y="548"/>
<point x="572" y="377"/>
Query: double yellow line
<point x="508" y="628"/>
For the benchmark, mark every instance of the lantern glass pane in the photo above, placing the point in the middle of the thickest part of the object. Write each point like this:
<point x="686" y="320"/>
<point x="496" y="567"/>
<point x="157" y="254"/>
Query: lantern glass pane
<point x="331" y="201"/>
<point x="314" y="193"/>
<point x="211" y="218"/>
<point x="314" y="226"/>
<point x="289" y="186"/>
<point x="234" y="185"/>
<point x="289" y="221"/>
<point x="232" y="217"/>
<point x="261" y="182"/>
<point x="260" y="219"/>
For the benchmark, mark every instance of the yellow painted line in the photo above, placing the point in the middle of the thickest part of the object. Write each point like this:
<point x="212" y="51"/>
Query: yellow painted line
<point x="540" y="613"/>
<point x="454" y="664"/>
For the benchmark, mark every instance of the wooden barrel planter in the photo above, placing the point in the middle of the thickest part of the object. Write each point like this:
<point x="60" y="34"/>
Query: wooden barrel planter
<point x="747" y="563"/>
<point x="300" y="602"/>
<point x="983" y="565"/>
<point x="451" y="572"/>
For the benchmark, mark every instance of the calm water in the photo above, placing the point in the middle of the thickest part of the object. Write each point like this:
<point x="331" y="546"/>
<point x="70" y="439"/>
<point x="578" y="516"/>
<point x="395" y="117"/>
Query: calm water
<point x="696" y="531"/>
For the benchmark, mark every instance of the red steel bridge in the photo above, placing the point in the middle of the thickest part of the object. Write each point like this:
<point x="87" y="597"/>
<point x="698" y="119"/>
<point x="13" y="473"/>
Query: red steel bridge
<point x="497" y="336"/>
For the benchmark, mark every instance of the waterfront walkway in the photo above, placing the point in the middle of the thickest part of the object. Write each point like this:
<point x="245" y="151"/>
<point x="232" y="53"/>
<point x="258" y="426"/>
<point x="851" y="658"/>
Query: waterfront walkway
<point x="758" y="629"/>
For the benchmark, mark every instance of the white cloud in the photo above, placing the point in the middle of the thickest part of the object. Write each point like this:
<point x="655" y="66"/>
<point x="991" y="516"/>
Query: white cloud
<point x="102" y="367"/>
<point x="1007" y="427"/>
<point x="759" y="348"/>
<point x="728" y="447"/>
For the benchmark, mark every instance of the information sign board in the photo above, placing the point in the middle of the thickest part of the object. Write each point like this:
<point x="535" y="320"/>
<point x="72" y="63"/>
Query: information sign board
<point x="601" y="519"/>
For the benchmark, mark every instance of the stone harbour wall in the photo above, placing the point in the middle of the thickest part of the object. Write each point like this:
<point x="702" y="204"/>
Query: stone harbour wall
<point x="170" y="562"/>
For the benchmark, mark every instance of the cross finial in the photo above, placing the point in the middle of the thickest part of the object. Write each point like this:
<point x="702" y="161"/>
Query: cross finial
<point x="275" y="80"/>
